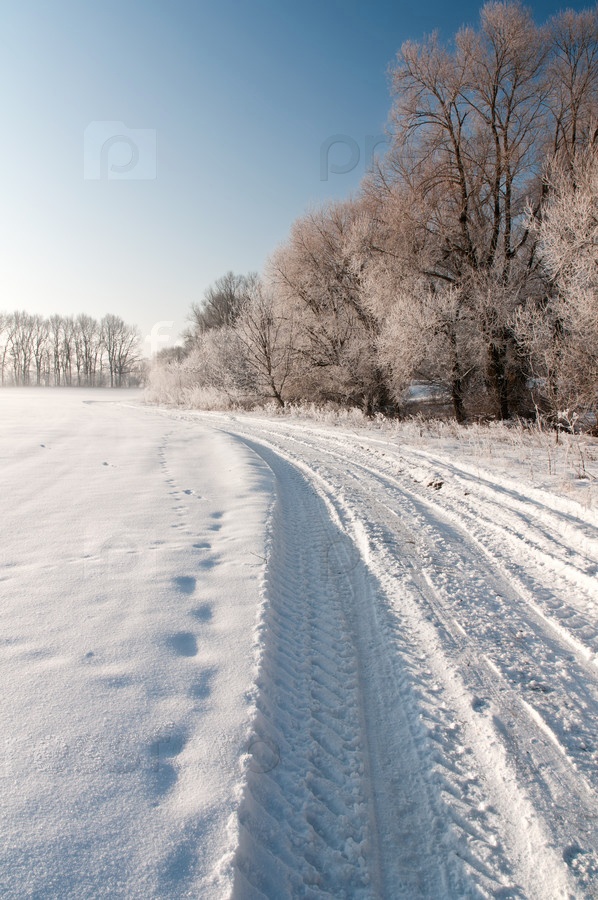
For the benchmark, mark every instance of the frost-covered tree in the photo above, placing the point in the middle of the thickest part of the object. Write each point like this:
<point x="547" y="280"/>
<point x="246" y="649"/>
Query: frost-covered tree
<point x="213" y="374"/>
<point x="21" y="346"/>
<point x="220" y="306"/>
<point x="62" y="350"/>
<point x="265" y="332"/>
<point x="571" y="78"/>
<point x="39" y="340"/>
<point x="448" y="265"/>
<point x="319" y="277"/>
<point x="88" y="339"/>
<point x="4" y="334"/>
<point x="465" y="121"/>
<point x="561" y="332"/>
<point x="473" y="122"/>
<point x="121" y="342"/>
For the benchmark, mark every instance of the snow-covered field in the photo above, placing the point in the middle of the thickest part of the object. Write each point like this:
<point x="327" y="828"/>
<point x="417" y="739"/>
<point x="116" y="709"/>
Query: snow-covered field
<point x="263" y="657"/>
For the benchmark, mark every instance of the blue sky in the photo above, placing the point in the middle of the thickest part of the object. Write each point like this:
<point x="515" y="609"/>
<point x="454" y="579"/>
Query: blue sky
<point x="229" y="105"/>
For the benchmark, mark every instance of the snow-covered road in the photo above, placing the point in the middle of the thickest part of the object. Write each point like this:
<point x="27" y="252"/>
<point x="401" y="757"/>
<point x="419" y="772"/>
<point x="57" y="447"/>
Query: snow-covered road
<point x="402" y="702"/>
<point x="469" y="713"/>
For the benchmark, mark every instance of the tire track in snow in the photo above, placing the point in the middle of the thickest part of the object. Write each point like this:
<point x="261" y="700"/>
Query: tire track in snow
<point x="321" y="824"/>
<point x="516" y="617"/>
<point x="554" y="543"/>
<point x="308" y="710"/>
<point x="342" y="696"/>
<point x="546" y="544"/>
<point x="508" y="625"/>
<point x="537" y="523"/>
<point x="571" y="621"/>
<point x="497" y="756"/>
<point x="480" y="844"/>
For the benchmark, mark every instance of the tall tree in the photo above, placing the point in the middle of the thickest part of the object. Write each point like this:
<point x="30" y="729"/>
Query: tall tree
<point x="467" y="124"/>
<point x="572" y="84"/>
<point x="265" y="331"/>
<point x="39" y="338"/>
<point x="122" y="348"/>
<point x="561" y="332"/>
<point x="319" y="276"/>
<point x="220" y="307"/>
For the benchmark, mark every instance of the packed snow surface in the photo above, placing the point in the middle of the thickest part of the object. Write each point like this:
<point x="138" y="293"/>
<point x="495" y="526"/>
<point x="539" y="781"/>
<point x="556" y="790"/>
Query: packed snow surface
<point x="266" y="658"/>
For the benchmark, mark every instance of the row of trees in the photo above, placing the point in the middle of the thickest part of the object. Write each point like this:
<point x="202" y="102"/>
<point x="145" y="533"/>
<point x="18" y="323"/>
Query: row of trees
<point x="64" y="350"/>
<point x="468" y="259"/>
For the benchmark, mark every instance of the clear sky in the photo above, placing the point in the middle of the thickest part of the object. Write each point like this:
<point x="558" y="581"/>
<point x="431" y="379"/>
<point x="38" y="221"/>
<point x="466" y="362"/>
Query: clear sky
<point x="151" y="145"/>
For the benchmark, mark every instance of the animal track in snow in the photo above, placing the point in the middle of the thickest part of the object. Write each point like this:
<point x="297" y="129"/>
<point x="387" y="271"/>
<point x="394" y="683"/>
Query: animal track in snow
<point x="166" y="746"/>
<point x="202" y="687"/>
<point x="185" y="583"/>
<point x="183" y="643"/>
<point x="204" y="612"/>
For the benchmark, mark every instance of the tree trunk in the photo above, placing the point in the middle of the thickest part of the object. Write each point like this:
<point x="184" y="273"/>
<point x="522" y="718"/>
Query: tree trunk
<point x="457" y="398"/>
<point x="497" y="377"/>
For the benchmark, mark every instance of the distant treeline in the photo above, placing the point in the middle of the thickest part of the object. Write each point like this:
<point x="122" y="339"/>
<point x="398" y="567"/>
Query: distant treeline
<point x="68" y="350"/>
<point x="468" y="259"/>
